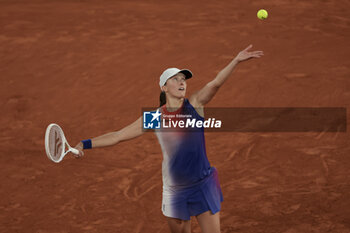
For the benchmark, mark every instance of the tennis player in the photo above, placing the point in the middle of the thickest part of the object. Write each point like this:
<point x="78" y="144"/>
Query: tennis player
<point x="190" y="185"/>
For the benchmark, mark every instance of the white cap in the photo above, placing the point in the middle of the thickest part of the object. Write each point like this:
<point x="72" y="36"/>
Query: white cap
<point x="170" y="72"/>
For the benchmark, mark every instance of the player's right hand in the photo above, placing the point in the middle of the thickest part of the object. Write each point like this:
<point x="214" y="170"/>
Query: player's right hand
<point x="79" y="147"/>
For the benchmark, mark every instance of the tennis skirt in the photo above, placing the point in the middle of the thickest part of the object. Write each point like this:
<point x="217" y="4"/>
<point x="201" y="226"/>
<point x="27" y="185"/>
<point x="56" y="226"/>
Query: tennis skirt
<point x="192" y="201"/>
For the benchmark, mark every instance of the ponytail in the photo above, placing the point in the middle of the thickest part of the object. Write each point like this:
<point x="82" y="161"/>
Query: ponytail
<point x="162" y="99"/>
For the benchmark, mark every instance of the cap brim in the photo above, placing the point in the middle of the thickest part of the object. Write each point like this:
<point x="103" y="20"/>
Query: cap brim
<point x="187" y="73"/>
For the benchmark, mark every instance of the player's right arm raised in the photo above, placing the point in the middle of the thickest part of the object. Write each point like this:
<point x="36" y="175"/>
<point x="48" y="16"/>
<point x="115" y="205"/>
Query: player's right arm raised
<point x="109" y="139"/>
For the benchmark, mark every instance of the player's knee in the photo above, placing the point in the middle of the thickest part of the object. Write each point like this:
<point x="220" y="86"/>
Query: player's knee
<point x="179" y="226"/>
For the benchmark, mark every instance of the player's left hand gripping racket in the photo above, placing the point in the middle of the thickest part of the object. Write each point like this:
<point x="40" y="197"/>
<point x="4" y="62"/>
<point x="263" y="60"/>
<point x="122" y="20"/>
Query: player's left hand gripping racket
<point x="55" y="143"/>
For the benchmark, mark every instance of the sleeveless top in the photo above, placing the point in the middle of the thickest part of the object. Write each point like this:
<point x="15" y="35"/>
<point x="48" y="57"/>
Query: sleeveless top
<point x="185" y="161"/>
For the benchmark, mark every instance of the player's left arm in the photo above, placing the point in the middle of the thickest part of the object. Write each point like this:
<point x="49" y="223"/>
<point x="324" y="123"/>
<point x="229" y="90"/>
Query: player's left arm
<point x="204" y="95"/>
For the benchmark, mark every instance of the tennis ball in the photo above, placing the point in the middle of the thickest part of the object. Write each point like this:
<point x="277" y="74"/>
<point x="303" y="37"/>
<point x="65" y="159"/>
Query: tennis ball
<point x="262" y="14"/>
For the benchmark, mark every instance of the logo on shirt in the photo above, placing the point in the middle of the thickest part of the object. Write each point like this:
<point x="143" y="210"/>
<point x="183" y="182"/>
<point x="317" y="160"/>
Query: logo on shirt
<point x="151" y="120"/>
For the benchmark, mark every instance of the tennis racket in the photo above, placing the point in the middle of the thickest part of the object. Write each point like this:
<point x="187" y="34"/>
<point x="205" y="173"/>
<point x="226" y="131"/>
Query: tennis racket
<point x="56" y="143"/>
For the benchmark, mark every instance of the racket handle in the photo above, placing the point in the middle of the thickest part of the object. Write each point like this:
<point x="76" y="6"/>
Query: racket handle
<point x="74" y="151"/>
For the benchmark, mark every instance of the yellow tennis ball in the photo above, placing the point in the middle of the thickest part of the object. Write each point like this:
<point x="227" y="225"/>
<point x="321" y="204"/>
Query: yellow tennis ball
<point x="262" y="14"/>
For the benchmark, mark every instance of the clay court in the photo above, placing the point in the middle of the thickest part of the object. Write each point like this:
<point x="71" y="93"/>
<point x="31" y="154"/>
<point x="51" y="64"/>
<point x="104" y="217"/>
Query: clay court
<point x="90" y="66"/>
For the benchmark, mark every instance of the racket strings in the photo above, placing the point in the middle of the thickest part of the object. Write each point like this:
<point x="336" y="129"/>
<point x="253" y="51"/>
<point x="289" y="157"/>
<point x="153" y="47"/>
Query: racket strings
<point x="58" y="143"/>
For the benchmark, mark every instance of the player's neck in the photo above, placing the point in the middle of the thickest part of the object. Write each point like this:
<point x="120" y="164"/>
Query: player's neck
<point x="172" y="104"/>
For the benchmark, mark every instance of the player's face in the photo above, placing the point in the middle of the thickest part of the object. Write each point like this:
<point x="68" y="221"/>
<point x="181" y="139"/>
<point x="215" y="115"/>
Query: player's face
<point x="176" y="86"/>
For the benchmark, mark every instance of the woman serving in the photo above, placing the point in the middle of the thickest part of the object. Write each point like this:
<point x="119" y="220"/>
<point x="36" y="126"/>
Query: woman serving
<point x="190" y="185"/>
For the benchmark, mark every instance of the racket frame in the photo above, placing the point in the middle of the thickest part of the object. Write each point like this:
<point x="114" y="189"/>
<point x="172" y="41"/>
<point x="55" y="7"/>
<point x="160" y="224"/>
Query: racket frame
<point x="64" y="144"/>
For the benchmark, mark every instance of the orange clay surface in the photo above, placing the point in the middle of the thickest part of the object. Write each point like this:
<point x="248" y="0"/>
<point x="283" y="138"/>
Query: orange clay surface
<point x="90" y="66"/>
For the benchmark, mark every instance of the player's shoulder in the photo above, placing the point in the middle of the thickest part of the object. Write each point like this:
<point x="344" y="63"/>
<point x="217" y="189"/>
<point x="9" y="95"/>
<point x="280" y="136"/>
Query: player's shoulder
<point x="194" y="102"/>
<point x="197" y="107"/>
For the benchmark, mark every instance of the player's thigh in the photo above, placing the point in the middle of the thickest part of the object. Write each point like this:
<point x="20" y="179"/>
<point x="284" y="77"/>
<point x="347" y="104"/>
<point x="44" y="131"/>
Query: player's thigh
<point x="178" y="225"/>
<point x="208" y="222"/>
